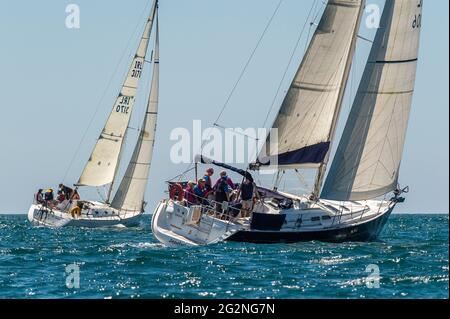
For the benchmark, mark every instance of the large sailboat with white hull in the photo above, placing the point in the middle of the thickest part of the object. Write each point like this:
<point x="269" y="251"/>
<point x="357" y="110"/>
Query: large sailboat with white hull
<point x="361" y="188"/>
<point x="127" y="205"/>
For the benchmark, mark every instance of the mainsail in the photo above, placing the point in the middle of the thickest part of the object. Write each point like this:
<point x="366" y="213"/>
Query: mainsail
<point x="104" y="160"/>
<point x="307" y="119"/>
<point x="368" y="158"/>
<point x="130" y="194"/>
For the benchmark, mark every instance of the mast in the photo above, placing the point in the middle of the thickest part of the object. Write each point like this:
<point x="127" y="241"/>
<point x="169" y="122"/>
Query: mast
<point x="323" y="166"/>
<point x="102" y="166"/>
<point x="368" y="158"/>
<point x="131" y="192"/>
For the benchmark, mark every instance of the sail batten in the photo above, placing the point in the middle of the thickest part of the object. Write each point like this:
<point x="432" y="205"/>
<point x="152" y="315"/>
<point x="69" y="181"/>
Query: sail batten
<point x="305" y="123"/>
<point x="131" y="191"/>
<point x="368" y="158"/>
<point x="103" y="163"/>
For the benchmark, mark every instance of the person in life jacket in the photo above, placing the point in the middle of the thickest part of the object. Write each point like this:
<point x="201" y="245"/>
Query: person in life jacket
<point x="208" y="179"/>
<point x="67" y="191"/>
<point x="176" y="192"/>
<point x="247" y="193"/>
<point x="61" y="197"/>
<point x="222" y="190"/>
<point x="39" y="197"/>
<point x="201" y="192"/>
<point x="49" y="197"/>
<point x="189" y="194"/>
<point x="75" y="195"/>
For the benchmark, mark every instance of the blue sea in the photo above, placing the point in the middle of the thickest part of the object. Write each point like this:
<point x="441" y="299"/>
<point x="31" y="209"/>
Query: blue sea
<point x="409" y="261"/>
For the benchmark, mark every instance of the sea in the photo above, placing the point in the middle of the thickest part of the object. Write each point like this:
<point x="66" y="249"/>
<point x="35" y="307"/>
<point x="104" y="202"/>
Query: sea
<point x="410" y="260"/>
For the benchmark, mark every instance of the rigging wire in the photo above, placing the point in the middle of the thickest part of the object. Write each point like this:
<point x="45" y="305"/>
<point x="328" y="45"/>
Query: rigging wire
<point x="289" y="64"/>
<point x="105" y="91"/>
<point x="224" y="107"/>
<point x="103" y="198"/>
<point x="302" y="179"/>
<point x="180" y="175"/>
<point x="248" y="61"/>
<point x="317" y="10"/>
<point x="235" y="132"/>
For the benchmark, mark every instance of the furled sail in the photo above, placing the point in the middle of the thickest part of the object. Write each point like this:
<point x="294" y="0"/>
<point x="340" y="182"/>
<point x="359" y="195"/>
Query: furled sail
<point x="130" y="194"/>
<point x="307" y="119"/>
<point x="104" y="160"/>
<point x="368" y="158"/>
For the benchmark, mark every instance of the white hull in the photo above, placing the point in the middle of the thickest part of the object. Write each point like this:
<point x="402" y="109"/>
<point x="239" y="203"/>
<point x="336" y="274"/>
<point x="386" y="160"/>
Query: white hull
<point x="324" y="221"/>
<point x="173" y="225"/>
<point x="96" y="216"/>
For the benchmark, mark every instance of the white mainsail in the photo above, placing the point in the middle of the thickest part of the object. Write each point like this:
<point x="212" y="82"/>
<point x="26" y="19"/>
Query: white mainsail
<point x="104" y="160"/>
<point x="130" y="194"/>
<point x="368" y="158"/>
<point x="307" y="119"/>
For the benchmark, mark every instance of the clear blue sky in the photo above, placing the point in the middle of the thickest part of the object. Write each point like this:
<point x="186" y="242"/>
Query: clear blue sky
<point x="53" y="78"/>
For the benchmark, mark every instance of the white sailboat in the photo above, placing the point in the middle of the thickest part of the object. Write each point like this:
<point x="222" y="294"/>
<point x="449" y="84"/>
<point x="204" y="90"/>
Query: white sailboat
<point x="361" y="189"/>
<point x="127" y="205"/>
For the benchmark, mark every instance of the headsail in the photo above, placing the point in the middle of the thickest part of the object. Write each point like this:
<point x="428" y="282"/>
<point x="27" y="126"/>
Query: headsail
<point x="104" y="160"/>
<point x="306" y="120"/>
<point x="368" y="158"/>
<point x="130" y="194"/>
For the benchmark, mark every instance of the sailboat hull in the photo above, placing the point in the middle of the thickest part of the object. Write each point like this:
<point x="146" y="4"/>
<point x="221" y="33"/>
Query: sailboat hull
<point x="40" y="216"/>
<point x="364" y="232"/>
<point x="176" y="225"/>
<point x="172" y="224"/>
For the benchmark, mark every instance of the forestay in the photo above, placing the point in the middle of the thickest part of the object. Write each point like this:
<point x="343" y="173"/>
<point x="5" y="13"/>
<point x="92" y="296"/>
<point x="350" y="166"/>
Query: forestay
<point x="368" y="158"/>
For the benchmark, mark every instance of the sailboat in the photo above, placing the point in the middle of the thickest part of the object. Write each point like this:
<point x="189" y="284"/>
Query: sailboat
<point x="361" y="188"/>
<point x="127" y="205"/>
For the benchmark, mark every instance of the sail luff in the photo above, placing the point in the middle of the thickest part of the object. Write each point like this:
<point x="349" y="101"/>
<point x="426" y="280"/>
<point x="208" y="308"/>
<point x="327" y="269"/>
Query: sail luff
<point x="306" y="118"/>
<point x="323" y="166"/>
<point x="131" y="192"/>
<point x="102" y="166"/>
<point x="368" y="158"/>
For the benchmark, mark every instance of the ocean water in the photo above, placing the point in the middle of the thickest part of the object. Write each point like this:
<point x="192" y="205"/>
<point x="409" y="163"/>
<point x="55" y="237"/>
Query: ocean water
<point x="411" y="259"/>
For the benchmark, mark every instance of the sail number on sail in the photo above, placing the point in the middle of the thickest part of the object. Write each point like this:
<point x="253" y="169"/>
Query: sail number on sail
<point x="123" y="106"/>
<point x="137" y="71"/>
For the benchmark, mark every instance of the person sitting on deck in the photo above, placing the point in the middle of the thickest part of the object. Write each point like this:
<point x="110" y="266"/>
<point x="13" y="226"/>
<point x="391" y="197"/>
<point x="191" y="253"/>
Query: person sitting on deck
<point x="49" y="197"/>
<point x="61" y="197"/>
<point x="189" y="194"/>
<point x="67" y="191"/>
<point x="39" y="197"/>
<point x="75" y="195"/>
<point x="201" y="192"/>
<point x="62" y="203"/>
